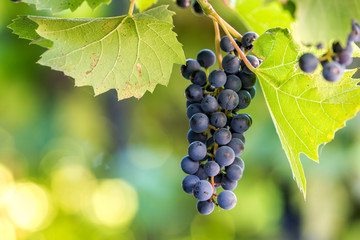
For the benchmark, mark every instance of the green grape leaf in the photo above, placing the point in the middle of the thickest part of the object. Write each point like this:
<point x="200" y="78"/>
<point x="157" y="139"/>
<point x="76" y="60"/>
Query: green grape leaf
<point x="129" y="54"/>
<point x="25" y="28"/>
<point x="144" y="4"/>
<point x="260" y="15"/>
<point x="325" y="21"/>
<point x="306" y="109"/>
<point x="60" y="5"/>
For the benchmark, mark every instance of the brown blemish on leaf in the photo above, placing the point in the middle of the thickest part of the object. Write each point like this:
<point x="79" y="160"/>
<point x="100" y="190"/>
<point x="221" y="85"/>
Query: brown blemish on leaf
<point x="138" y="67"/>
<point x="94" y="61"/>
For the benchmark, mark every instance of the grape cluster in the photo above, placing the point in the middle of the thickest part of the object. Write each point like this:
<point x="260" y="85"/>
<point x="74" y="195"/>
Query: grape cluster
<point x="186" y="3"/>
<point x="216" y="134"/>
<point x="334" y="61"/>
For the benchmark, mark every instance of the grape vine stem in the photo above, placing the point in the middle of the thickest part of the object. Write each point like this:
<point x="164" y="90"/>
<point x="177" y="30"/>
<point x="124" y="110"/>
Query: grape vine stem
<point x="217" y="44"/>
<point x="210" y="12"/>
<point x="131" y="8"/>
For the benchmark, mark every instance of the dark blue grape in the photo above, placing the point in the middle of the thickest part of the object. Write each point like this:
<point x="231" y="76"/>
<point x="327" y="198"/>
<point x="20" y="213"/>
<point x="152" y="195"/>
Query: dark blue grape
<point x="222" y="136"/>
<point x="332" y="71"/>
<point x="209" y="104"/>
<point x="217" y="78"/>
<point x="201" y="173"/>
<point x="218" y="180"/>
<point x="197" y="8"/>
<point x="210" y="88"/>
<point x="254" y="61"/>
<point x="189" y="182"/>
<point x="202" y="190"/>
<point x="193" y="136"/>
<point x="189" y="166"/>
<point x="218" y="119"/>
<point x="211" y="168"/>
<point x="190" y="66"/>
<point x="345" y="56"/>
<point x="308" y="62"/>
<point x="206" y="58"/>
<point x="239" y="136"/>
<point x="234" y="172"/>
<point x="205" y="207"/>
<point x="355" y="32"/>
<point x="248" y="39"/>
<point x="228" y="99"/>
<point x="198" y="77"/>
<point x="197" y="151"/>
<point x="193" y="108"/>
<point x="199" y="122"/>
<point x="226" y="45"/>
<point x="237" y="145"/>
<point x="244" y="99"/>
<point x="238" y="161"/>
<point x="194" y="93"/>
<point x="224" y="156"/>
<point x="241" y="123"/>
<point x="233" y="82"/>
<point x="231" y="63"/>
<point x="252" y="91"/>
<point x="248" y="80"/>
<point x="183" y="3"/>
<point x="227" y="184"/>
<point x="226" y="200"/>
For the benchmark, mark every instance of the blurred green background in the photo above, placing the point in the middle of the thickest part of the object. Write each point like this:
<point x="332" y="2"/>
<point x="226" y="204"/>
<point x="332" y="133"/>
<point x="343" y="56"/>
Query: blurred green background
<point x="77" y="167"/>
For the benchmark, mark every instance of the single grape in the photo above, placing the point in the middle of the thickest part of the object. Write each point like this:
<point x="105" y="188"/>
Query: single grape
<point x="189" y="182"/>
<point x="190" y="66"/>
<point x="197" y="151"/>
<point x="183" y="3"/>
<point x="193" y="108"/>
<point x="199" y="122"/>
<point x="206" y="58"/>
<point x="241" y="123"/>
<point x="211" y="168"/>
<point x="205" y="207"/>
<point x="201" y="173"/>
<point x="226" y="200"/>
<point x="224" y="156"/>
<point x="217" y="78"/>
<point x="332" y="71"/>
<point x="226" y="45"/>
<point x="238" y="161"/>
<point x="252" y="91"/>
<point x="203" y="190"/>
<point x="244" y="99"/>
<point x="231" y="63"/>
<point x="233" y="82"/>
<point x="209" y="104"/>
<point x="189" y="166"/>
<point x="248" y="80"/>
<point x="222" y="136"/>
<point x="197" y="8"/>
<point x="198" y="77"/>
<point x="227" y="184"/>
<point x="355" y="33"/>
<point x="254" y="61"/>
<point x="248" y="39"/>
<point x="239" y="136"/>
<point x="194" y="93"/>
<point x="234" y="172"/>
<point x="308" y="62"/>
<point x="218" y="119"/>
<point x="218" y="180"/>
<point x="228" y="99"/>
<point x="237" y="145"/>
<point x="345" y="56"/>
<point x="210" y="88"/>
<point x="193" y="136"/>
